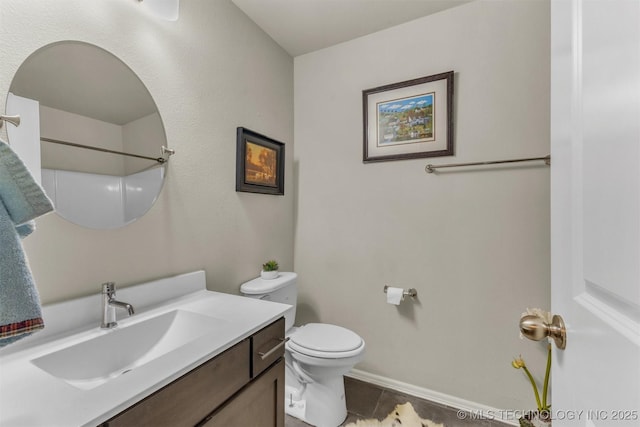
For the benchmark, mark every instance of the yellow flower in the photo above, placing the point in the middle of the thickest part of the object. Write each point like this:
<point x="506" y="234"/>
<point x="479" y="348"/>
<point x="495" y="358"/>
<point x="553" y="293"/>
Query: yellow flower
<point x="518" y="363"/>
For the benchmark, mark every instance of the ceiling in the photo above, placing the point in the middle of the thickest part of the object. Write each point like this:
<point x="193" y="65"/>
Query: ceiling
<point x="302" y="26"/>
<point x="71" y="76"/>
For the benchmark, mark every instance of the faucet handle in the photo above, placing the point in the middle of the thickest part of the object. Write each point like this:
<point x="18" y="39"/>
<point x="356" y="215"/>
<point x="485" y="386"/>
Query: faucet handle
<point x="109" y="288"/>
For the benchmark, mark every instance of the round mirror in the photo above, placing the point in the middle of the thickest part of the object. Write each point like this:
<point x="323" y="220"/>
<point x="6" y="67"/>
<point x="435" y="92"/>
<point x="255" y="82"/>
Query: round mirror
<point x="101" y="135"/>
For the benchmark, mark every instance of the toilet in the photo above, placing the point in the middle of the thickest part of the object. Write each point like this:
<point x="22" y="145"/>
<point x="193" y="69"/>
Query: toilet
<point x="317" y="355"/>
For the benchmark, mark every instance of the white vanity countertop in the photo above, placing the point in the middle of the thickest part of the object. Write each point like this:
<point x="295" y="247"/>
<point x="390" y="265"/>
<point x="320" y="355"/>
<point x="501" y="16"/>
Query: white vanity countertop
<point x="32" y="397"/>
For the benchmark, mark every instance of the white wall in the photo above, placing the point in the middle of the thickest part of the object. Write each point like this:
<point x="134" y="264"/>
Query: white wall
<point x="208" y="72"/>
<point x="144" y="137"/>
<point x="55" y="124"/>
<point x="473" y="242"/>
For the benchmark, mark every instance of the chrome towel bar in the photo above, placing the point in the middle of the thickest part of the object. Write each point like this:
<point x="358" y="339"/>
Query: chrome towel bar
<point x="432" y="168"/>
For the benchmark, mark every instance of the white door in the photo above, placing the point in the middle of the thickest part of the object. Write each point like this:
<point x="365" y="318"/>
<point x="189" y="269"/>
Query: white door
<point x="25" y="139"/>
<point x="595" y="213"/>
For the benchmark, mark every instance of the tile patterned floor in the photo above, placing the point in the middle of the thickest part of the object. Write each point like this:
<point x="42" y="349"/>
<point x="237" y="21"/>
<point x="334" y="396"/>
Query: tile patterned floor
<point x="365" y="400"/>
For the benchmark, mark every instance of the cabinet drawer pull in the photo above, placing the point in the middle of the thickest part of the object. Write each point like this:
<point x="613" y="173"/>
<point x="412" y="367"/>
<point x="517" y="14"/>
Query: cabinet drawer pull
<point x="282" y="342"/>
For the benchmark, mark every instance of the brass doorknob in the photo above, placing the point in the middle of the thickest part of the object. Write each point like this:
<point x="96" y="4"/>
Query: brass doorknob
<point x="535" y="328"/>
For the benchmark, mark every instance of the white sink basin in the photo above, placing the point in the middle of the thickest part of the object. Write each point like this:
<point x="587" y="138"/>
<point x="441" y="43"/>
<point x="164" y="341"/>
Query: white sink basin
<point x="91" y="363"/>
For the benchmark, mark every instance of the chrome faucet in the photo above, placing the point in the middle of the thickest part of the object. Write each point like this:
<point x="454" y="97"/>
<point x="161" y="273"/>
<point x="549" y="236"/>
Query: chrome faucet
<point x="109" y="305"/>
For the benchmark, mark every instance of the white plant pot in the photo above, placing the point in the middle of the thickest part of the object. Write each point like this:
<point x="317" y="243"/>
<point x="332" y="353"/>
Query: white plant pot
<point x="268" y="275"/>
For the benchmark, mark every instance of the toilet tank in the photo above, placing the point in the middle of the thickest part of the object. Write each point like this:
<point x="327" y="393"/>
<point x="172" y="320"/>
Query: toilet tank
<point x="282" y="289"/>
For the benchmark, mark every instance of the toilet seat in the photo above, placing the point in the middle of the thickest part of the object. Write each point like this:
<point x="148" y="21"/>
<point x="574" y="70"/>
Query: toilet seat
<point x="326" y="341"/>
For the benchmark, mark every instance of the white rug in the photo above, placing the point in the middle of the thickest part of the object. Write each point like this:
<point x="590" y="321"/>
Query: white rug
<point x="402" y="416"/>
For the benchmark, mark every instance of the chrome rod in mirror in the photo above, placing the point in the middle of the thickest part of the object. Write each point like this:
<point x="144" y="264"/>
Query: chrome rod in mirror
<point x="105" y="150"/>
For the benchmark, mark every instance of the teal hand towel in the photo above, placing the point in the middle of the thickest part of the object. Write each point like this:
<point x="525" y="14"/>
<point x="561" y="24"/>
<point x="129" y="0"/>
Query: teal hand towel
<point x="21" y="200"/>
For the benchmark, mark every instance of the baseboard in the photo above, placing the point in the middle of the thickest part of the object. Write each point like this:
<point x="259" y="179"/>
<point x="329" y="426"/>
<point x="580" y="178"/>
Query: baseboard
<point x="473" y="409"/>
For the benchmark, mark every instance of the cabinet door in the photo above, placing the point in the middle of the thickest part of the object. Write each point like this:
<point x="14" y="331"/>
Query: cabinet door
<point x="190" y="398"/>
<point x="259" y="404"/>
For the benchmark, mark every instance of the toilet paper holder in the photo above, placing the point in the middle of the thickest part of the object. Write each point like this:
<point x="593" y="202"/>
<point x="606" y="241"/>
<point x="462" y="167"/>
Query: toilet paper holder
<point x="405" y="292"/>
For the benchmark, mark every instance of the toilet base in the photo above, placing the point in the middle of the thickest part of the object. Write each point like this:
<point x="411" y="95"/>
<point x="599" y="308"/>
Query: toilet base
<point x="293" y="405"/>
<point x="318" y="404"/>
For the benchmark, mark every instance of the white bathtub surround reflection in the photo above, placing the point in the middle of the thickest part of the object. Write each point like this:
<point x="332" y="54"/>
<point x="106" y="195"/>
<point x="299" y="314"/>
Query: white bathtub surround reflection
<point x="102" y="201"/>
<point x="76" y="373"/>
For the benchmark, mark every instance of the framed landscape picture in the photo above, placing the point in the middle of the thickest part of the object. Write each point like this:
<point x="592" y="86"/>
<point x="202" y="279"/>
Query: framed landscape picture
<point x="408" y="120"/>
<point x="259" y="163"/>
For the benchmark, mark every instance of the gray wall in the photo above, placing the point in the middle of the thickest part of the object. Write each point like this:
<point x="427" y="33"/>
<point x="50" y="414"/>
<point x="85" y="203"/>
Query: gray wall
<point x="209" y="72"/>
<point x="473" y="242"/>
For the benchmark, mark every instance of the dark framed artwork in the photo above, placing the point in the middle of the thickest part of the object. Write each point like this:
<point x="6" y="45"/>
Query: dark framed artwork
<point x="409" y="120"/>
<point x="259" y="163"/>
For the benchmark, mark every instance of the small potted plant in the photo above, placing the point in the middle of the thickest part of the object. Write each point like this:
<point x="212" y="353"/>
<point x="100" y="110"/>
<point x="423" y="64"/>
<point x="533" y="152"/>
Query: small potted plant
<point x="269" y="270"/>
<point x="542" y="416"/>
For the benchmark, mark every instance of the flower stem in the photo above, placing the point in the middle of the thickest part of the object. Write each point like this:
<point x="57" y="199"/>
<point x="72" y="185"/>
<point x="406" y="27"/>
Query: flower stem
<point x="546" y="378"/>
<point x="533" y="384"/>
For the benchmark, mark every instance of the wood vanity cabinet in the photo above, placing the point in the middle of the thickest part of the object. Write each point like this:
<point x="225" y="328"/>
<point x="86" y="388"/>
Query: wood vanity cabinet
<point x="243" y="387"/>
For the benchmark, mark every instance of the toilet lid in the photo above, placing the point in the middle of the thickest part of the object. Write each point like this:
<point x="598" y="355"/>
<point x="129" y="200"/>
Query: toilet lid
<point x="325" y="338"/>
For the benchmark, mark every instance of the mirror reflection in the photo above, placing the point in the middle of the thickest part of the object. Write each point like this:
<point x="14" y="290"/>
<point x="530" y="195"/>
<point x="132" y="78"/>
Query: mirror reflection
<point x="87" y="97"/>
